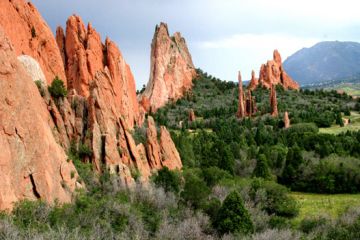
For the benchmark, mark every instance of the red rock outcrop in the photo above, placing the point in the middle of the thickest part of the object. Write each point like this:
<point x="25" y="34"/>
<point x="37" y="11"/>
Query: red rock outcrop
<point x="172" y="69"/>
<point x="246" y="103"/>
<point x="241" y="105"/>
<point x="99" y="112"/>
<point x="286" y="120"/>
<point x="85" y="56"/>
<point x="32" y="164"/>
<point x="273" y="73"/>
<point x="30" y="35"/>
<point x="98" y="73"/>
<point x="273" y="101"/>
<point x="254" y="82"/>
<point x="192" y="116"/>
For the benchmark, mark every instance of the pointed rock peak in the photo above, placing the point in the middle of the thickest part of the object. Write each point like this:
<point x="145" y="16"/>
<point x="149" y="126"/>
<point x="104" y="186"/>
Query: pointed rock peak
<point x="277" y="57"/>
<point x="273" y="73"/>
<point x="171" y="69"/>
<point x="286" y="120"/>
<point x="239" y="79"/>
<point x="162" y="28"/>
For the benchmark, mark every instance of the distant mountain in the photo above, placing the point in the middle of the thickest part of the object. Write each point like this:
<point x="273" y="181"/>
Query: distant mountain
<point x="324" y="62"/>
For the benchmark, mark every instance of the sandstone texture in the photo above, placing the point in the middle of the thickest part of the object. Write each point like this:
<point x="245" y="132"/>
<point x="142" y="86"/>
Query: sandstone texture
<point x="273" y="73"/>
<point x="33" y="68"/>
<point x="286" y="120"/>
<point x="100" y="111"/>
<point x="246" y="102"/>
<point x="30" y="35"/>
<point x="273" y="101"/>
<point x="32" y="164"/>
<point x="171" y="68"/>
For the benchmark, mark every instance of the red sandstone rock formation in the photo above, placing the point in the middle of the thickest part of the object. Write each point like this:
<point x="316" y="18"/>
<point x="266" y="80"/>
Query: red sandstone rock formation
<point x="286" y="120"/>
<point x="247" y="104"/>
<point x="273" y="73"/>
<point x="100" y="112"/>
<point x="273" y="101"/>
<point x="241" y="106"/>
<point x="32" y="164"/>
<point x="30" y="35"/>
<point x="192" y="116"/>
<point x="254" y="82"/>
<point x="172" y="69"/>
<point x="85" y="56"/>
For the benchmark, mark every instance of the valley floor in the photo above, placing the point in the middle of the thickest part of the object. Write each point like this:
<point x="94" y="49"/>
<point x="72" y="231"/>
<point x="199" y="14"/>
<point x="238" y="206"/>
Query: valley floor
<point x="315" y="205"/>
<point x="354" y="125"/>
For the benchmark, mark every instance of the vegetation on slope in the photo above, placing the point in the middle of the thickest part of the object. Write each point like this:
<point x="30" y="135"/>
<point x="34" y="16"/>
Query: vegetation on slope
<point x="236" y="179"/>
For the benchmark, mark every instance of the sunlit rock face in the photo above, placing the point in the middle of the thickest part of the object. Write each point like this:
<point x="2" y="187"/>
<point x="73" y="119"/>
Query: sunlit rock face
<point x="172" y="69"/>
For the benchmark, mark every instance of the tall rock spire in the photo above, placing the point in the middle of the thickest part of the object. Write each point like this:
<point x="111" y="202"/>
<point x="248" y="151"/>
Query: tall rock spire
<point x="286" y="120"/>
<point x="172" y="69"/>
<point x="241" y="105"/>
<point x="273" y="101"/>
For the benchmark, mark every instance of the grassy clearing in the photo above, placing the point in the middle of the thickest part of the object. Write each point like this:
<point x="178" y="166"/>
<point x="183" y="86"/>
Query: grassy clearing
<point x="312" y="205"/>
<point x="350" y="88"/>
<point x="353" y="126"/>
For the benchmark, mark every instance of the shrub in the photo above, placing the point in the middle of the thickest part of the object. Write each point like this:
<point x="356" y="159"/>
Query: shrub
<point x="233" y="216"/>
<point x="57" y="88"/>
<point x="169" y="180"/>
<point x="261" y="168"/>
<point x="33" y="32"/>
<point x="195" y="190"/>
<point x="84" y="151"/>
<point x="40" y="87"/>
<point x="214" y="175"/>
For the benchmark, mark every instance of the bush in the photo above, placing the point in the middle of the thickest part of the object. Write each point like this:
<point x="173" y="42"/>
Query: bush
<point x="233" y="216"/>
<point x="261" y="169"/>
<point x="84" y="151"/>
<point x="33" y="32"/>
<point x="169" y="180"/>
<point x="40" y="87"/>
<point x="57" y="88"/>
<point x="277" y="201"/>
<point x="195" y="190"/>
<point x="214" y="175"/>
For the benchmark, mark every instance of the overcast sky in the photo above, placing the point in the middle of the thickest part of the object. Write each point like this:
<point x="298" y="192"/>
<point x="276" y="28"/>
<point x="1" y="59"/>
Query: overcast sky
<point x="223" y="36"/>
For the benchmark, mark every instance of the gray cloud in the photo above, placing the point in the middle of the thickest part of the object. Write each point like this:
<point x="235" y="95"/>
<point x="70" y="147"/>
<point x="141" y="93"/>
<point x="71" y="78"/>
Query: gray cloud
<point x="131" y="24"/>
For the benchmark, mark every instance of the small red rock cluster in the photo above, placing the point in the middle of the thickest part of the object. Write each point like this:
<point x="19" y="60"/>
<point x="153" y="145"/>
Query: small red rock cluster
<point x="247" y="103"/>
<point x="273" y="73"/>
<point x="171" y="72"/>
<point x="192" y="116"/>
<point x="101" y="110"/>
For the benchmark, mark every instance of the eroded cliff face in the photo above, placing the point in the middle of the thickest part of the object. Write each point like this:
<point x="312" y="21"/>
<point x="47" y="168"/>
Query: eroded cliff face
<point x="30" y="35"/>
<point x="172" y="69"/>
<point x="100" y="110"/>
<point x="273" y="73"/>
<point x="32" y="163"/>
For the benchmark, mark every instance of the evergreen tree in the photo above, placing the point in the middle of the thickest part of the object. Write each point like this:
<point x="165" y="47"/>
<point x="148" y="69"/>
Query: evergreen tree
<point x="233" y="216"/>
<point x="262" y="169"/>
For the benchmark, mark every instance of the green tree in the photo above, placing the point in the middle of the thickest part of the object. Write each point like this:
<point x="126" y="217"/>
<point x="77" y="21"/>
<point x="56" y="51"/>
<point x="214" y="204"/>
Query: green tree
<point x="195" y="190"/>
<point x="262" y="169"/>
<point x="57" y="88"/>
<point x="233" y="217"/>
<point x="167" y="179"/>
